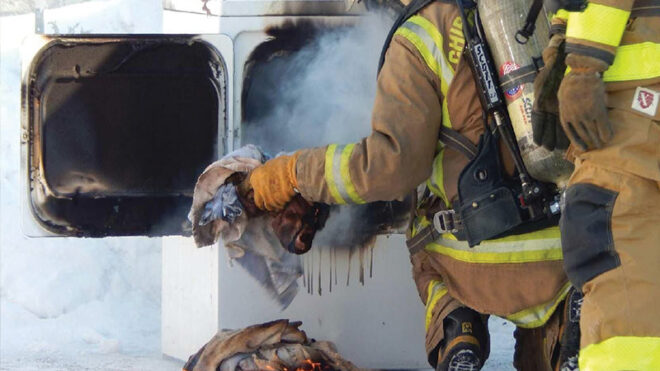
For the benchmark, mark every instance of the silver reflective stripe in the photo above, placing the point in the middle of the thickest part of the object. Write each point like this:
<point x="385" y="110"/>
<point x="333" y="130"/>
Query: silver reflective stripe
<point x="511" y="245"/>
<point x="336" y="173"/>
<point x="445" y="68"/>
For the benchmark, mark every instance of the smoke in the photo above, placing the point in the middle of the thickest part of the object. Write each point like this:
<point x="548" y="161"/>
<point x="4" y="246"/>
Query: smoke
<point x="312" y="88"/>
<point x="309" y="85"/>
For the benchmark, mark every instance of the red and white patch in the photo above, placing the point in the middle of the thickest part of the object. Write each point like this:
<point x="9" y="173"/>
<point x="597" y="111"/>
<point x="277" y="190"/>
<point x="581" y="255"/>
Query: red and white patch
<point x="506" y="69"/>
<point x="646" y="101"/>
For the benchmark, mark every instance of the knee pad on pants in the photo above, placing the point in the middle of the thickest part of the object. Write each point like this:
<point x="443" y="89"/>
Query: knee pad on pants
<point x="586" y="233"/>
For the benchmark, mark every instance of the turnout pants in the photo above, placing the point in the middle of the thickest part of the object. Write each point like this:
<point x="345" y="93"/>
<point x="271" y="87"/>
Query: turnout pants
<point x="536" y="348"/>
<point x="519" y="278"/>
<point x="611" y="238"/>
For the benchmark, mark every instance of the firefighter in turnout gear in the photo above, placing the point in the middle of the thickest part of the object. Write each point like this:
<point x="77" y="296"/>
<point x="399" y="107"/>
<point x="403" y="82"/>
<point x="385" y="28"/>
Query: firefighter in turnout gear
<point x="608" y="107"/>
<point x="426" y="91"/>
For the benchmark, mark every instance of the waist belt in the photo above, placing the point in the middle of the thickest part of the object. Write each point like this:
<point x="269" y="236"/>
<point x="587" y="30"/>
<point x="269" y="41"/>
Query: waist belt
<point x="444" y="221"/>
<point x="488" y="205"/>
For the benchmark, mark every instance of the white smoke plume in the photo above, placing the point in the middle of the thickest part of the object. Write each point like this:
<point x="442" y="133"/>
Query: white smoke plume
<point x="309" y="93"/>
<point x="322" y="93"/>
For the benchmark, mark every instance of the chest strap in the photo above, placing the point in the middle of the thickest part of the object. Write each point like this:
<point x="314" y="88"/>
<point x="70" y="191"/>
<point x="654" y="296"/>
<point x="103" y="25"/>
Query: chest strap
<point x="444" y="220"/>
<point x="645" y="8"/>
<point x="455" y="140"/>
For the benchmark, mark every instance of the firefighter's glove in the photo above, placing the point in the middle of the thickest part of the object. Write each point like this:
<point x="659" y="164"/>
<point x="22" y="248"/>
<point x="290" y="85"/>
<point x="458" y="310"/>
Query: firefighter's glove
<point x="296" y="225"/>
<point x="546" y="127"/>
<point x="273" y="184"/>
<point x="583" y="103"/>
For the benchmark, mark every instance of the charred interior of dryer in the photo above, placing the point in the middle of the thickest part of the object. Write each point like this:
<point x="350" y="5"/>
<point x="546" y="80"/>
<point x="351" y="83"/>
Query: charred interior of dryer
<point x="277" y="67"/>
<point x="121" y="129"/>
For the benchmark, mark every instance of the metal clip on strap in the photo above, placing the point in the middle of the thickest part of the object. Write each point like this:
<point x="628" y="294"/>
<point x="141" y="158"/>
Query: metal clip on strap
<point x="444" y="221"/>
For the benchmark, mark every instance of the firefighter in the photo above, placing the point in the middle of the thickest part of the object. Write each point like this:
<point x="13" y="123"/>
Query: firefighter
<point x="425" y="85"/>
<point x="608" y="107"/>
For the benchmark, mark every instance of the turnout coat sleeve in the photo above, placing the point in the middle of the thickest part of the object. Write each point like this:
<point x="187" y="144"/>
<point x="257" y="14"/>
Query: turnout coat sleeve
<point x="596" y="32"/>
<point x="398" y="154"/>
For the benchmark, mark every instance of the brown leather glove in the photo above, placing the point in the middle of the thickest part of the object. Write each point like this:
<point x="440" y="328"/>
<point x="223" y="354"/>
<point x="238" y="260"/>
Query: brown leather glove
<point x="296" y="225"/>
<point x="297" y="222"/>
<point x="583" y="103"/>
<point x="273" y="183"/>
<point x="546" y="127"/>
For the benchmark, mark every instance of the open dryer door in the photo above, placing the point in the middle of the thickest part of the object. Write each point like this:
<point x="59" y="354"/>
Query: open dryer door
<point x="116" y="129"/>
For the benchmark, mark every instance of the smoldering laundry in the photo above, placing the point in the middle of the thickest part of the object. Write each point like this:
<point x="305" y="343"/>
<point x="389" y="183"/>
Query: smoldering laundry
<point x="216" y="213"/>
<point x="278" y="346"/>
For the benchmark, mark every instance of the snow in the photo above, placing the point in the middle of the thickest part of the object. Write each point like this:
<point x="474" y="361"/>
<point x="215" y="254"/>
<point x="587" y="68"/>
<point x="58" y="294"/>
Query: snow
<point x="88" y="304"/>
<point x="72" y="303"/>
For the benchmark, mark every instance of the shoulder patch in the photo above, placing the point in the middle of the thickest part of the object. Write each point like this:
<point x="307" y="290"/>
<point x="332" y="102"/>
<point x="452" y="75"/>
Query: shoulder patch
<point x="646" y="101"/>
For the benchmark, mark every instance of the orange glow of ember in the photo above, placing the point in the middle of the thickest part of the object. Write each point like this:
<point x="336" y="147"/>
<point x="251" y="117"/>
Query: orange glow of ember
<point x="308" y="365"/>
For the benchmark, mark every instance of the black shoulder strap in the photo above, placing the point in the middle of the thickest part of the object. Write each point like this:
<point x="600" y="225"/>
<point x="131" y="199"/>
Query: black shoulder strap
<point x="523" y="34"/>
<point x="410" y="10"/>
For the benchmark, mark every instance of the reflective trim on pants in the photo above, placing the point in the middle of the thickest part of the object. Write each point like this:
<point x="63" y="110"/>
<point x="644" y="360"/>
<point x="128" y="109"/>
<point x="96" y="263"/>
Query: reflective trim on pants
<point x="622" y="353"/>
<point x="543" y="245"/>
<point x="537" y="316"/>
<point x="436" y="291"/>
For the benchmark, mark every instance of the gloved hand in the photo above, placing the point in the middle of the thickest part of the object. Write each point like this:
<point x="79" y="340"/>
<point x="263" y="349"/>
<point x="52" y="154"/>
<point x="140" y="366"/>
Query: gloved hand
<point x="582" y="103"/>
<point x="273" y="183"/>
<point x="296" y="225"/>
<point x="546" y="127"/>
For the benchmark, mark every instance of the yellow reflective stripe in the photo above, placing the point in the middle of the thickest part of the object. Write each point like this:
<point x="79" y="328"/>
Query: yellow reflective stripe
<point x="622" y="353"/>
<point x="635" y="62"/>
<point x="496" y="257"/>
<point x="421" y="48"/>
<point x="432" y="187"/>
<point x="346" y="175"/>
<point x="543" y="245"/>
<point x="543" y="234"/>
<point x="598" y="23"/>
<point x="329" y="173"/>
<point x="428" y="41"/>
<point x="561" y="14"/>
<point x="446" y="120"/>
<point x="436" y="182"/>
<point x="446" y="69"/>
<point x="435" y="292"/>
<point x="537" y="316"/>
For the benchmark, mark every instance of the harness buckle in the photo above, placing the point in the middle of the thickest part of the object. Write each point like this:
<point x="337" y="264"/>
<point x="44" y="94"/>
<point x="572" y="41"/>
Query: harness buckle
<point x="445" y="221"/>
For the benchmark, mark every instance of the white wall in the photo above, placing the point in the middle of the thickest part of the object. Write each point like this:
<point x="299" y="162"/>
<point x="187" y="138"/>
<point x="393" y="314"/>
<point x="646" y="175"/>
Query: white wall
<point x="70" y="303"/>
<point x="378" y="325"/>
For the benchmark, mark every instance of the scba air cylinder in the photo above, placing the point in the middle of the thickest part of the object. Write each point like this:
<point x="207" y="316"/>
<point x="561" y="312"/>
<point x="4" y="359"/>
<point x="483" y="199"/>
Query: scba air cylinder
<point x="515" y="63"/>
